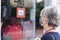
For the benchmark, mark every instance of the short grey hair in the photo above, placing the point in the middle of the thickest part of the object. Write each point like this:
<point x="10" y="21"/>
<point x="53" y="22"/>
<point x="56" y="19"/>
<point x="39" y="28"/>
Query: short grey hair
<point x="51" y="14"/>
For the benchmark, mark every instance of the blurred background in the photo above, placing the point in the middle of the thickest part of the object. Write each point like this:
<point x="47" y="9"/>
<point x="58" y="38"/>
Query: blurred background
<point x="20" y="18"/>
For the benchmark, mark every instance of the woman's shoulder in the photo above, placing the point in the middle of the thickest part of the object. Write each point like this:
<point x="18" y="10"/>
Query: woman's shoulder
<point x="49" y="36"/>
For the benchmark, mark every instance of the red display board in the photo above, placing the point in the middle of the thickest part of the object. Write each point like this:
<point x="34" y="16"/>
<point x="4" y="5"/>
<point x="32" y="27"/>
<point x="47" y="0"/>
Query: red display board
<point x="20" y="13"/>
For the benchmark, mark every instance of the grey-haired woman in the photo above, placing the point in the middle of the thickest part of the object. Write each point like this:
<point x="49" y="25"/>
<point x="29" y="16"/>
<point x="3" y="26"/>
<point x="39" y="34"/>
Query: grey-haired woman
<point x="49" y="21"/>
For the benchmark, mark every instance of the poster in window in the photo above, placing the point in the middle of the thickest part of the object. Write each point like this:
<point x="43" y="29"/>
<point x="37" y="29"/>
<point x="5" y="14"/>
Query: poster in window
<point x="20" y="13"/>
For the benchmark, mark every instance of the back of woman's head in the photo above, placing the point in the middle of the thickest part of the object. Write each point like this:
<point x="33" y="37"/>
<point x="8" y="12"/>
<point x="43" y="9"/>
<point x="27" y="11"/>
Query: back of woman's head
<point x="51" y="13"/>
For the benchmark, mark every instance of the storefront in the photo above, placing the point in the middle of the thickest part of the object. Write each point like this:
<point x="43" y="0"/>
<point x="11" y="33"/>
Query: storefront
<point x="9" y="16"/>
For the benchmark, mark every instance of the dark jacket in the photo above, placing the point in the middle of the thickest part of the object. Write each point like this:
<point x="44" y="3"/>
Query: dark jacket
<point x="51" y="36"/>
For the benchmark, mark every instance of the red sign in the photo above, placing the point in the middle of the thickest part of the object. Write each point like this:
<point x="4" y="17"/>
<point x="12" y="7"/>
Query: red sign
<point x="20" y="13"/>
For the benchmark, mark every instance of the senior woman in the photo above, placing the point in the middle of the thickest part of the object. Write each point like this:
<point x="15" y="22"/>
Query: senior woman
<point x="49" y="21"/>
